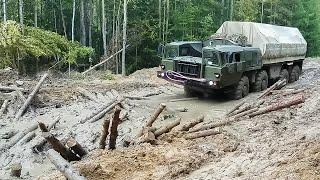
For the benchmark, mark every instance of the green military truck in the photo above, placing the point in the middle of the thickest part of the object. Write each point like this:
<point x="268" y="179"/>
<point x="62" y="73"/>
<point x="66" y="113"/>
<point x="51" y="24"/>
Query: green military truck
<point x="236" y="66"/>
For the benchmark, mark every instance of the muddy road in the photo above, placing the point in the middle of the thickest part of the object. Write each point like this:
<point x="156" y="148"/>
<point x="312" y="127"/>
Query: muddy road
<point x="281" y="144"/>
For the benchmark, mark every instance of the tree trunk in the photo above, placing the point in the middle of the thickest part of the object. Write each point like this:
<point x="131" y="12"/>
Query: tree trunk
<point x="113" y="128"/>
<point x="231" y="9"/>
<point x="124" y="37"/>
<point x="63" y="21"/>
<point x="4" y="6"/>
<point x="160" y="18"/>
<point x="167" y="20"/>
<point x="104" y="33"/>
<point x="21" y="16"/>
<point x="82" y="24"/>
<point x="73" y="18"/>
<point x="90" y="12"/>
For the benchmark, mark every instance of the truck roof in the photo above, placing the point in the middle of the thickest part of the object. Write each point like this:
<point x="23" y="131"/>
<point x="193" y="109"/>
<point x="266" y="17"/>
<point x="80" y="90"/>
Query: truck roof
<point x="231" y="48"/>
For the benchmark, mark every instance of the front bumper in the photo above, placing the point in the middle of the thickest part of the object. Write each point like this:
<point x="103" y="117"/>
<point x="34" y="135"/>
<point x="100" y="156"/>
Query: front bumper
<point x="194" y="83"/>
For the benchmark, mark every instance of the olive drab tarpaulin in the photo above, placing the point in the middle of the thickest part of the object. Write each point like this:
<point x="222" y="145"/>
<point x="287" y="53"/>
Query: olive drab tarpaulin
<point x="273" y="41"/>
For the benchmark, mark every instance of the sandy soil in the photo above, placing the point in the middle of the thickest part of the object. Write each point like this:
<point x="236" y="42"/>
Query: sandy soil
<point x="278" y="145"/>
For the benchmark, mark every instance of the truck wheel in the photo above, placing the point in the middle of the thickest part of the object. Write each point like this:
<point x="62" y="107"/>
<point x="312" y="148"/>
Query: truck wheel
<point x="295" y="73"/>
<point x="241" y="89"/>
<point x="188" y="92"/>
<point x="261" y="81"/>
<point x="284" y="74"/>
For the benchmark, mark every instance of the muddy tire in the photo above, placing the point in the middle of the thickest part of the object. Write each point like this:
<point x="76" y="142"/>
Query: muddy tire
<point x="188" y="92"/>
<point x="262" y="81"/>
<point x="284" y="74"/>
<point x="241" y="89"/>
<point x="295" y="73"/>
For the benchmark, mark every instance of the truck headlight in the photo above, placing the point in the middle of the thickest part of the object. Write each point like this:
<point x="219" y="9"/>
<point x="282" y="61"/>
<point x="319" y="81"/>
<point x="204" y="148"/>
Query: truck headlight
<point x="211" y="83"/>
<point x="163" y="67"/>
<point x="162" y="74"/>
<point x="217" y="75"/>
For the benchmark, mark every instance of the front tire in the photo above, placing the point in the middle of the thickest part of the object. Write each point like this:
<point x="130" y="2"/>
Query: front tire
<point x="241" y="89"/>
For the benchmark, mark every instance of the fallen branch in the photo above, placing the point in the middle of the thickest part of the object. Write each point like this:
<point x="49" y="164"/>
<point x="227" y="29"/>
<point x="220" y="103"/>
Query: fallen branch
<point x="63" y="166"/>
<point x="4" y="107"/>
<point x="279" y="105"/>
<point x="30" y="97"/>
<point x="167" y="128"/>
<point x="188" y="126"/>
<point x="200" y="134"/>
<point x="103" y="62"/>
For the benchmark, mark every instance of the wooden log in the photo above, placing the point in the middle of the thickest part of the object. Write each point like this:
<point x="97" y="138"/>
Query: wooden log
<point x="43" y="127"/>
<point x="40" y="141"/>
<point x="250" y="111"/>
<point x="75" y="147"/>
<point x="242" y="109"/>
<point x="21" y="96"/>
<point x="16" y="169"/>
<point x="167" y="128"/>
<point x="15" y="139"/>
<point x="27" y="138"/>
<point x="293" y="92"/>
<point x="103" y="62"/>
<point x="279" y="105"/>
<point x="183" y="99"/>
<point x="31" y="96"/>
<point x="201" y="134"/>
<point x="4" y="107"/>
<point x="113" y="128"/>
<point x="152" y="119"/>
<point x="59" y="147"/>
<point x="104" y="135"/>
<point x="6" y="88"/>
<point x="105" y="111"/>
<point x="271" y="88"/>
<point x="156" y="115"/>
<point x="63" y="166"/>
<point x="190" y="125"/>
<point x="234" y="108"/>
<point x="88" y="95"/>
<point x="147" y="137"/>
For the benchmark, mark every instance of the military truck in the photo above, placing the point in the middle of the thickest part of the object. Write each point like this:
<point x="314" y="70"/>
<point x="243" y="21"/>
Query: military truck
<point x="236" y="68"/>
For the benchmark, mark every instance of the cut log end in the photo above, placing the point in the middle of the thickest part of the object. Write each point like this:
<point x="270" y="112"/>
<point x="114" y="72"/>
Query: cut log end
<point x="16" y="170"/>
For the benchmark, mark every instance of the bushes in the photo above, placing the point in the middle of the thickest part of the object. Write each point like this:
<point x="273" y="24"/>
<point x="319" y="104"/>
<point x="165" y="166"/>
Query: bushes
<point x="18" y="45"/>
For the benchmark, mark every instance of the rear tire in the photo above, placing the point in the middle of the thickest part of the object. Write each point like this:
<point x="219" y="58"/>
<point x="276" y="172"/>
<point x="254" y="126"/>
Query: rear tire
<point x="241" y="89"/>
<point x="284" y="74"/>
<point x="262" y="81"/>
<point x="295" y="73"/>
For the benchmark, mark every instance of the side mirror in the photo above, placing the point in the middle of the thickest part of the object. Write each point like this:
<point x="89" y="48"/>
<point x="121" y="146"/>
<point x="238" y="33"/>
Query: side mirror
<point x="160" y="50"/>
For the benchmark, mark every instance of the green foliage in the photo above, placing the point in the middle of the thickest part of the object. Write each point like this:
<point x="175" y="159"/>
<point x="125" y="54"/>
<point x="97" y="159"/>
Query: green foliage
<point x="17" y="45"/>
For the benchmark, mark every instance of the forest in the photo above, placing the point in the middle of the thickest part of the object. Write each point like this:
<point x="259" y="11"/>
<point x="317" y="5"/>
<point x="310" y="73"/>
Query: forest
<point x="43" y="33"/>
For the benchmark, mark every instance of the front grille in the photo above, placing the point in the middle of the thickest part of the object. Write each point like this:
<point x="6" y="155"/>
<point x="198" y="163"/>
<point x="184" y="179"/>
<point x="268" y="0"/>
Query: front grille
<point x="189" y="69"/>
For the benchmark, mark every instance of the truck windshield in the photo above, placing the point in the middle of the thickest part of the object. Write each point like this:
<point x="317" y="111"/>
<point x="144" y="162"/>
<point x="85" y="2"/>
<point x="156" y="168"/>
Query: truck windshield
<point x="171" y="52"/>
<point x="211" y="58"/>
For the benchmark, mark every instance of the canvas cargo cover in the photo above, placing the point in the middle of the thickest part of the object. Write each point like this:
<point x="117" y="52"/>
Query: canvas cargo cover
<point x="273" y="41"/>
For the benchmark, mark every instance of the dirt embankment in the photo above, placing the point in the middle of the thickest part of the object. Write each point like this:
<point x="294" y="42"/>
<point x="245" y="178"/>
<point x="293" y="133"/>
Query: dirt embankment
<point x="283" y="144"/>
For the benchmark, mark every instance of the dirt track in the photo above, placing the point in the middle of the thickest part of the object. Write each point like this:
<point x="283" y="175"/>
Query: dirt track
<point x="281" y="144"/>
